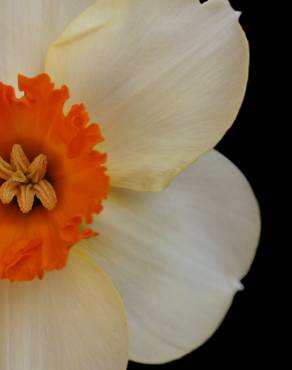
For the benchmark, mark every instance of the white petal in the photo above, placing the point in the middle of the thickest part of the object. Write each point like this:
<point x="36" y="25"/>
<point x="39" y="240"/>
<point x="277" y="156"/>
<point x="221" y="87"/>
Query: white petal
<point x="26" y="29"/>
<point x="164" y="78"/>
<point x="177" y="256"/>
<point x="72" y="320"/>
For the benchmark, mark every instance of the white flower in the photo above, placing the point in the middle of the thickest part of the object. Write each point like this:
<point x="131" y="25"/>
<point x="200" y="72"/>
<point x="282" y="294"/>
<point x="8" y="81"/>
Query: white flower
<point x="165" y="80"/>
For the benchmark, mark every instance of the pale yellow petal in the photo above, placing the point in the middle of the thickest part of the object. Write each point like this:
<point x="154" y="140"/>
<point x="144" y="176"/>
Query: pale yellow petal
<point x="164" y="78"/>
<point x="177" y="256"/>
<point x="72" y="320"/>
<point x="26" y="29"/>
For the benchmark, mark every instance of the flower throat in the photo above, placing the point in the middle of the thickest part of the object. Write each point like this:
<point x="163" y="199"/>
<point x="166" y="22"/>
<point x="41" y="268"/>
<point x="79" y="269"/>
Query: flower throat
<point x="25" y="181"/>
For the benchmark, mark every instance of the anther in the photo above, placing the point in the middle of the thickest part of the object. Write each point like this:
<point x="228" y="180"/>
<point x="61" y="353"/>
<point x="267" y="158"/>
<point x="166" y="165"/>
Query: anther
<point x="25" y="198"/>
<point x="46" y="194"/>
<point x="18" y="159"/>
<point x="38" y="168"/>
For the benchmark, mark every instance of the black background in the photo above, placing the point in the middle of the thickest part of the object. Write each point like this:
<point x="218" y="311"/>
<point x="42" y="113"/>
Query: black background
<point x="246" y="335"/>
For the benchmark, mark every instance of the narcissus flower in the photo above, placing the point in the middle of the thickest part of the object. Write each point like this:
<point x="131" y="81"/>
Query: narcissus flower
<point x="83" y="204"/>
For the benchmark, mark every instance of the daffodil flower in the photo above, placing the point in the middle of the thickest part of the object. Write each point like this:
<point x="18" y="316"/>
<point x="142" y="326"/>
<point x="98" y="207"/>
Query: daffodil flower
<point x="163" y="80"/>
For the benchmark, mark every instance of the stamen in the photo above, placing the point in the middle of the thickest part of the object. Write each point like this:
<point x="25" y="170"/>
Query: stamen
<point x="19" y="160"/>
<point x="37" y="168"/>
<point x="6" y="170"/>
<point x="25" y="180"/>
<point x="25" y="198"/>
<point x="8" y="191"/>
<point x="46" y="194"/>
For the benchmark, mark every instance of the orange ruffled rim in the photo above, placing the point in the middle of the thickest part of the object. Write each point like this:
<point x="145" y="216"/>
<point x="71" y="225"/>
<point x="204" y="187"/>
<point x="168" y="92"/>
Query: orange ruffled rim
<point x="33" y="243"/>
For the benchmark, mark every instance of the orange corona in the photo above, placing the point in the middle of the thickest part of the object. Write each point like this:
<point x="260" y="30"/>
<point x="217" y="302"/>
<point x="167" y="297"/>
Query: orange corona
<point x="52" y="179"/>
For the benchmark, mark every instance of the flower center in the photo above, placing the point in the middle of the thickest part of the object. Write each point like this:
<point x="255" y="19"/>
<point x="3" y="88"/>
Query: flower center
<point x="25" y="181"/>
<point x="33" y="240"/>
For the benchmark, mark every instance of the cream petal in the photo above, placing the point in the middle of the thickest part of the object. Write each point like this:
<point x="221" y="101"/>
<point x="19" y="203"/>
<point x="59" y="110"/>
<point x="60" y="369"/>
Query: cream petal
<point x="177" y="256"/>
<point x="165" y="79"/>
<point x="74" y="319"/>
<point x="26" y="29"/>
